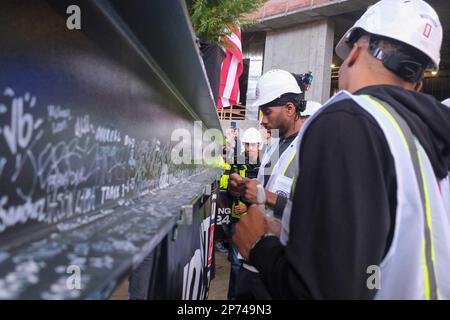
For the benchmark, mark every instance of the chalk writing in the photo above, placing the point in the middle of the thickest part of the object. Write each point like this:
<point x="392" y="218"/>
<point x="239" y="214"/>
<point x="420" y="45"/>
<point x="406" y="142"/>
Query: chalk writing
<point x="59" y="118"/>
<point x="19" y="132"/>
<point x="107" y="135"/>
<point x="57" y="113"/>
<point x="21" y="213"/>
<point x="110" y="193"/>
<point x="83" y="126"/>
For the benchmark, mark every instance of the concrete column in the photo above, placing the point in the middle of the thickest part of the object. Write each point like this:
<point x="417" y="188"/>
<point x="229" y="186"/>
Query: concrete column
<point x="303" y="48"/>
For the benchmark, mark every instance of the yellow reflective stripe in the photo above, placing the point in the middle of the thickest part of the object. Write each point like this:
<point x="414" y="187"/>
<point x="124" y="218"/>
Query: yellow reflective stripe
<point x="294" y="178"/>
<point x="289" y="163"/>
<point x="427" y="274"/>
<point x="427" y="203"/>
<point x="224" y="181"/>
<point x="379" y="105"/>
<point x="427" y="206"/>
<point x="293" y="186"/>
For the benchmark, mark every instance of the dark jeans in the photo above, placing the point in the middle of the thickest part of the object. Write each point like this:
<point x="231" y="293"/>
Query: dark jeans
<point x="234" y="272"/>
<point x="235" y="265"/>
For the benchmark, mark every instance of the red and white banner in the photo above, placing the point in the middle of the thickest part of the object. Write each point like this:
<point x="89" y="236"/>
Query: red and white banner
<point x="231" y="70"/>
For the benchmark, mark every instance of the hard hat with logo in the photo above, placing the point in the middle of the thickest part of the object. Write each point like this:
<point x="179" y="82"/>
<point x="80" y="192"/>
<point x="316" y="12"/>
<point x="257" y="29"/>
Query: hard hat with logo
<point x="447" y="102"/>
<point x="251" y="135"/>
<point x="413" y="22"/>
<point x="311" y="108"/>
<point x="273" y="84"/>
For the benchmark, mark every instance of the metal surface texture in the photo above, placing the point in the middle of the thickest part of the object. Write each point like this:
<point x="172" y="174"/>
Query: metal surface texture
<point x="86" y="118"/>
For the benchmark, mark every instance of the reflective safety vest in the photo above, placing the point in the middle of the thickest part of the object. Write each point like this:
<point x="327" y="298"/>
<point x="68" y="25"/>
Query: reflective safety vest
<point x="445" y="191"/>
<point x="224" y="184"/>
<point x="234" y="214"/>
<point x="417" y="265"/>
<point x="225" y="176"/>
<point x="284" y="170"/>
<point x="281" y="178"/>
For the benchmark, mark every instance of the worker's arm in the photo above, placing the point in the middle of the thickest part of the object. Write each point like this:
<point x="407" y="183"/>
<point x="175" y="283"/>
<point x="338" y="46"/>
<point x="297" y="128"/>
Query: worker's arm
<point x="271" y="198"/>
<point x="343" y="212"/>
<point x="276" y="202"/>
<point x="249" y="193"/>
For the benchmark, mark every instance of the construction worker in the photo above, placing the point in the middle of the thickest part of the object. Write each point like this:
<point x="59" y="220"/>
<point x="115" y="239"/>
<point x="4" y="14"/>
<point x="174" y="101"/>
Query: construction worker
<point x="251" y="143"/>
<point x="219" y="232"/>
<point x="241" y="169"/>
<point x="368" y="219"/>
<point x="311" y="108"/>
<point x="280" y="103"/>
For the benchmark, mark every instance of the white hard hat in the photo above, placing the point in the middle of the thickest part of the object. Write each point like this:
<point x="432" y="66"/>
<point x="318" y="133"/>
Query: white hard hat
<point x="413" y="22"/>
<point x="311" y="108"/>
<point x="447" y="102"/>
<point x="273" y="84"/>
<point x="251" y="135"/>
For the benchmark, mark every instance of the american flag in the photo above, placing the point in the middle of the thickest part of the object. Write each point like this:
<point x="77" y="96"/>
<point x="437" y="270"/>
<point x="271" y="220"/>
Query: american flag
<point x="231" y="69"/>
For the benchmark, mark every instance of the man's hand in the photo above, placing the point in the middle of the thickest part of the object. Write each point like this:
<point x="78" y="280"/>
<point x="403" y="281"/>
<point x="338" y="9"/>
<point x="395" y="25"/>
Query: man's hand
<point x="273" y="225"/>
<point x="249" y="229"/>
<point x="235" y="184"/>
<point x="240" y="208"/>
<point x="249" y="192"/>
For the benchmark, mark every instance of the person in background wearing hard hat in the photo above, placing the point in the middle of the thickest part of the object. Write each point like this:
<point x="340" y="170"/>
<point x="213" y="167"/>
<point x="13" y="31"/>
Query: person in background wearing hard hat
<point x="251" y="142"/>
<point x="280" y="102"/>
<point x="311" y="108"/>
<point x="368" y="217"/>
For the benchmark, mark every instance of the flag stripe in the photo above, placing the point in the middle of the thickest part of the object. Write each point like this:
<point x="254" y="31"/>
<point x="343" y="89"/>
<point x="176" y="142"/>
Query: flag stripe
<point x="223" y="80"/>
<point x="231" y="71"/>
<point x="231" y="77"/>
<point x="235" y="89"/>
<point x="235" y="40"/>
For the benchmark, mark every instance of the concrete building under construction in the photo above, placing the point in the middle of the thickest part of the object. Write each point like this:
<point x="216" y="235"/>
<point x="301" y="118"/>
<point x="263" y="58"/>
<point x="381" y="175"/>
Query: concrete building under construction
<point x="300" y="36"/>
